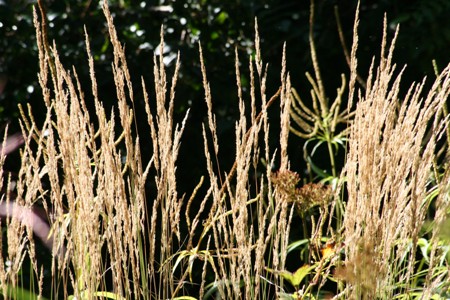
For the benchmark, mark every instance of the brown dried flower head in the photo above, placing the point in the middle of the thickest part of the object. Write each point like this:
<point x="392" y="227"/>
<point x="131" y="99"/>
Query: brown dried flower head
<point x="305" y="197"/>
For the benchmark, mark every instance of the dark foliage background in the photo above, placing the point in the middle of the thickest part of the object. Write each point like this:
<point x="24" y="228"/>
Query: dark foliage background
<point x="220" y="26"/>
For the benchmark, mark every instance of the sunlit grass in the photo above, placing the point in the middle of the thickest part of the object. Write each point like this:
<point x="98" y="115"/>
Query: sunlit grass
<point x="375" y="229"/>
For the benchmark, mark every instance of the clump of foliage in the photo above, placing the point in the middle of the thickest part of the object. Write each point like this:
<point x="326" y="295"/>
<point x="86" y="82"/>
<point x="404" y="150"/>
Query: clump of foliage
<point x="364" y="231"/>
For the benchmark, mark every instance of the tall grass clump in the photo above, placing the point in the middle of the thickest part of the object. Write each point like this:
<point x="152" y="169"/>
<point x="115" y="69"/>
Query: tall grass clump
<point x="391" y="176"/>
<point x="374" y="229"/>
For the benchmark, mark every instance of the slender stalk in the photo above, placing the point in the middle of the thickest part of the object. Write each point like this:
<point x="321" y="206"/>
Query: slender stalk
<point x="331" y="154"/>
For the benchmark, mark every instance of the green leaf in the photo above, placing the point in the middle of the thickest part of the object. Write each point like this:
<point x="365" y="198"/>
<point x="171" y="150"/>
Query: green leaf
<point x="314" y="139"/>
<point x="294" y="245"/>
<point x="300" y="274"/>
<point x="101" y="295"/>
<point x="424" y="245"/>
<point x="294" y="278"/>
<point x="18" y="293"/>
<point x="180" y="257"/>
<point x="108" y="295"/>
<point x="105" y="46"/>
<point x="222" y="17"/>
<point x="214" y="35"/>
<point x="321" y="173"/>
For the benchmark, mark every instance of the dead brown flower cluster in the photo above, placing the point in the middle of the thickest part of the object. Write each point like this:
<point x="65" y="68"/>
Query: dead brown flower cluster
<point x="304" y="198"/>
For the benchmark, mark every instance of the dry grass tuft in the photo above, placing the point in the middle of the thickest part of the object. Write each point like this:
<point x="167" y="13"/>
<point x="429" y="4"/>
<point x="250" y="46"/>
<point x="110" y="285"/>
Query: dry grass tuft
<point x="392" y="148"/>
<point x="105" y="242"/>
